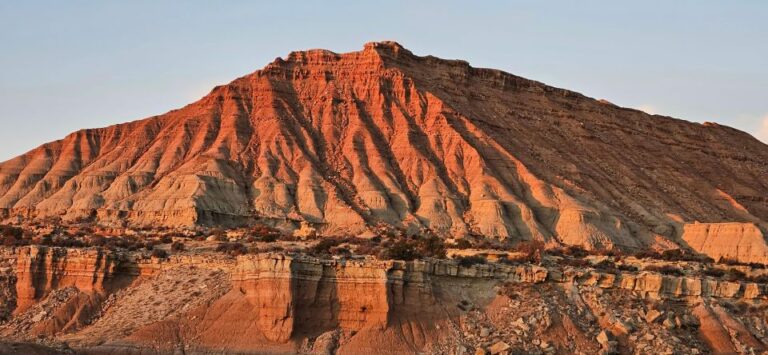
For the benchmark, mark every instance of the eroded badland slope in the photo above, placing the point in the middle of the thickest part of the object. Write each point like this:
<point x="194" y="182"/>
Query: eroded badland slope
<point x="574" y="226"/>
<point x="382" y="138"/>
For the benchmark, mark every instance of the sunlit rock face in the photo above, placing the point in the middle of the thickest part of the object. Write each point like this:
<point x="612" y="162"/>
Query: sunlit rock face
<point x="382" y="137"/>
<point x="744" y="242"/>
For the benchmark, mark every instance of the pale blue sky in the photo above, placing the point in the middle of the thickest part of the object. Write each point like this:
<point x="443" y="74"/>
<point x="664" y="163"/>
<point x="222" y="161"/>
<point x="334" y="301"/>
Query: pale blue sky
<point x="66" y="65"/>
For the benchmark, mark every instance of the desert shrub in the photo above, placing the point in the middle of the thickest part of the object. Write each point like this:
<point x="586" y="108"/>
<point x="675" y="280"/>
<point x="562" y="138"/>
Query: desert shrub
<point x="368" y="249"/>
<point x="529" y="246"/>
<point x="580" y="263"/>
<point x="96" y="240"/>
<point x="430" y="246"/>
<point x="503" y="259"/>
<point x="615" y="253"/>
<point x="575" y="251"/>
<point x="148" y="244"/>
<point x="233" y="249"/>
<point x="159" y="253"/>
<point x="681" y="255"/>
<point x="672" y="255"/>
<point x="560" y="252"/>
<point x="467" y="261"/>
<point x="758" y="310"/>
<point x="462" y="244"/>
<point x="340" y="251"/>
<point x="610" y="266"/>
<point x="627" y="268"/>
<point x="425" y="246"/>
<point x="10" y="241"/>
<point x="166" y="239"/>
<point x="734" y="262"/>
<point x="532" y="250"/>
<point x="728" y="261"/>
<point x="11" y="236"/>
<point x="757" y="265"/>
<point x="288" y="238"/>
<point x="740" y="307"/>
<point x="68" y="242"/>
<point x="712" y="272"/>
<point x="735" y="275"/>
<point x="11" y="231"/>
<point x="121" y="242"/>
<point x="323" y="247"/>
<point x="47" y="240"/>
<point x="666" y="270"/>
<point x="178" y="246"/>
<point x="265" y="233"/>
<point x="744" y="307"/>
<point x="605" y="265"/>
<point x="490" y="244"/>
<point x="269" y="238"/>
<point x="647" y="254"/>
<point x="399" y="250"/>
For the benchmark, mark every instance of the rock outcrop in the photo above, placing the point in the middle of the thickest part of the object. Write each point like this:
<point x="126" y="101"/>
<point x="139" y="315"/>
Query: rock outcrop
<point x="277" y="303"/>
<point x="657" y="285"/>
<point x="744" y="242"/>
<point x="41" y="270"/>
<point x="347" y="142"/>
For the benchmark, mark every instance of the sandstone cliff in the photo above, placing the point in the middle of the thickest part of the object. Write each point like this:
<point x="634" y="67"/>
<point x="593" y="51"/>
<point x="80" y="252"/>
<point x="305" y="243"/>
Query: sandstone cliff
<point x="275" y="303"/>
<point x="736" y="241"/>
<point x="385" y="137"/>
<point x="42" y="270"/>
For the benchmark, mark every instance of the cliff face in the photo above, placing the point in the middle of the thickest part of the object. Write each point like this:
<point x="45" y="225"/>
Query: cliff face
<point x="283" y="299"/>
<point x="736" y="241"/>
<point x="281" y="304"/>
<point x="42" y="270"/>
<point x="305" y="298"/>
<point x="384" y="137"/>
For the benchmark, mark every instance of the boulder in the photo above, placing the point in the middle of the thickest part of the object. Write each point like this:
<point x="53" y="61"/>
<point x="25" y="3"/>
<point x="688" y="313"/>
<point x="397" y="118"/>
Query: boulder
<point x="653" y="315"/>
<point x="499" y="347"/>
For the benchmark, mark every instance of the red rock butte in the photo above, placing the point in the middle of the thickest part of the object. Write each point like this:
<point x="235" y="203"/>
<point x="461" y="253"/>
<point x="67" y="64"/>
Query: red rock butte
<point x="384" y="138"/>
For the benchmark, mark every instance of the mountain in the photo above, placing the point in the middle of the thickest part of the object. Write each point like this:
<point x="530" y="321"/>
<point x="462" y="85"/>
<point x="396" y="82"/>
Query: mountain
<point x="384" y="138"/>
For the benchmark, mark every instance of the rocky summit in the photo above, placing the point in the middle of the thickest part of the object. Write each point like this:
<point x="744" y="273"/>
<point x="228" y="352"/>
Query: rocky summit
<point x="380" y="202"/>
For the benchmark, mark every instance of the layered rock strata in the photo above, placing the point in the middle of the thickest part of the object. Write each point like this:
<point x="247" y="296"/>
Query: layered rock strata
<point x="743" y="242"/>
<point x="382" y="137"/>
<point x="40" y="270"/>
<point x="115" y="302"/>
